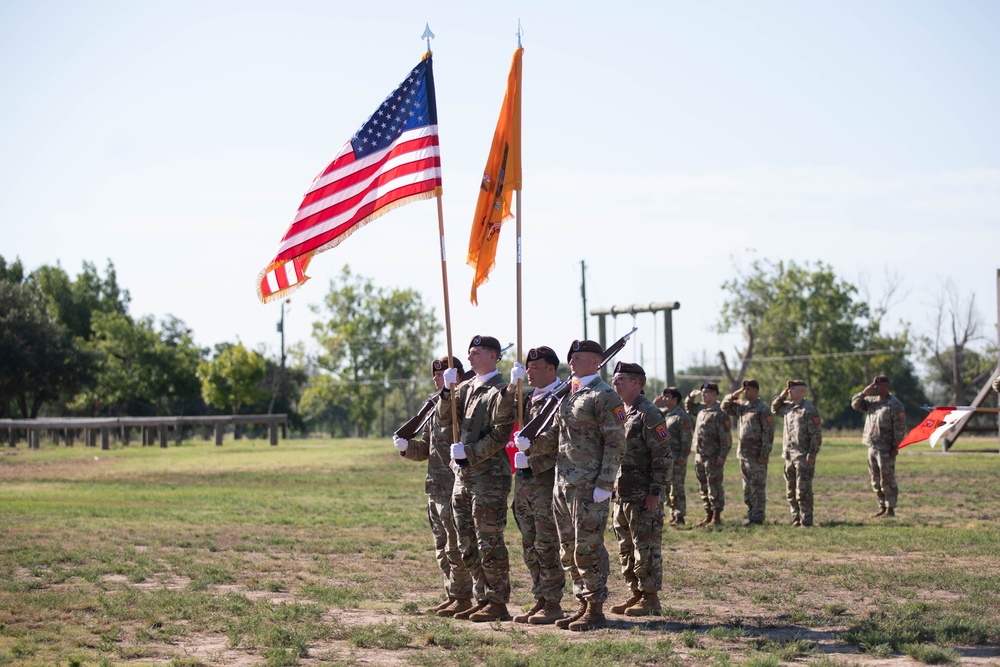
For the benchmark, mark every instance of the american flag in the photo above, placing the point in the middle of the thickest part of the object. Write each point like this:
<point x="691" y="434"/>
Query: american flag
<point x="391" y="160"/>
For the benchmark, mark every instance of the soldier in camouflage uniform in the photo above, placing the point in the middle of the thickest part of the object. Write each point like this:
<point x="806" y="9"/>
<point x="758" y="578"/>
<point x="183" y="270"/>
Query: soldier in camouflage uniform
<point x="533" y="483"/>
<point x="482" y="479"/>
<point x="802" y="440"/>
<point x="756" y="434"/>
<point x="713" y="439"/>
<point x="434" y="446"/>
<point x="885" y="428"/>
<point x="640" y="488"/>
<point x="591" y="440"/>
<point x="680" y="429"/>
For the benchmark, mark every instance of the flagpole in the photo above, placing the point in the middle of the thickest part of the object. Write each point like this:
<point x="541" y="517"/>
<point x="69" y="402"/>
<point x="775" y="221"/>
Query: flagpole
<point x="520" y="348"/>
<point x="447" y="315"/>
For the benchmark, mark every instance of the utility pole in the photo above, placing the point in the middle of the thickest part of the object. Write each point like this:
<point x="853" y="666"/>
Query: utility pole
<point x="281" y="373"/>
<point x="583" y="293"/>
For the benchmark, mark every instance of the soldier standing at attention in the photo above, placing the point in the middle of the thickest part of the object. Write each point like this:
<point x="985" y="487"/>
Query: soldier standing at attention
<point x="885" y="428"/>
<point x="482" y="479"/>
<point x="756" y="433"/>
<point x="639" y="492"/>
<point x="434" y="447"/>
<point x="803" y="437"/>
<point x="533" y="483"/>
<point x="591" y="445"/>
<point x="713" y="439"/>
<point x="680" y="429"/>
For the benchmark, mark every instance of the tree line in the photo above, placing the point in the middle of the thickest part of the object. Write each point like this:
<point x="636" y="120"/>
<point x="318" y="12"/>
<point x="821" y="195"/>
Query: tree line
<point x="69" y="346"/>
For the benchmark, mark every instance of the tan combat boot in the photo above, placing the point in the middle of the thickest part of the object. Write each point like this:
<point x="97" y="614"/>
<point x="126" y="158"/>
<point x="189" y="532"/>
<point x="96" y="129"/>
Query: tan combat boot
<point x="551" y="613"/>
<point x="464" y="615"/>
<point x="457" y="607"/>
<point x="716" y="519"/>
<point x="563" y="623"/>
<point x="523" y="618"/>
<point x="679" y="521"/>
<point x="890" y="511"/>
<point x="648" y="606"/>
<point x="592" y="619"/>
<point x="881" y="511"/>
<point x="706" y="520"/>
<point x="434" y="610"/>
<point x="620" y="608"/>
<point x="493" y="611"/>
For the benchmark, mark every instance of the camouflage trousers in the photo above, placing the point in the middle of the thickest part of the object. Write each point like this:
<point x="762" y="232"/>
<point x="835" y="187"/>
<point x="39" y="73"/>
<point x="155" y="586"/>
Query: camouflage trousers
<point x="882" y="468"/>
<point x="799" y="488"/>
<point x="713" y="496"/>
<point x="480" y="519"/>
<point x="581" y="524"/>
<point x="457" y="581"/>
<point x="754" y="488"/>
<point x="678" y="499"/>
<point x="640" y="538"/>
<point x="539" y="537"/>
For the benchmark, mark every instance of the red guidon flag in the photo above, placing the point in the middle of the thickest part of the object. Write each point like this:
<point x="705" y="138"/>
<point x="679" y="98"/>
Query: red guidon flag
<point x="939" y="422"/>
<point x="392" y="160"/>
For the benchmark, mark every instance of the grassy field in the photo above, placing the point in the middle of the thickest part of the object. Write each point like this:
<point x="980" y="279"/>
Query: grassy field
<point x="318" y="553"/>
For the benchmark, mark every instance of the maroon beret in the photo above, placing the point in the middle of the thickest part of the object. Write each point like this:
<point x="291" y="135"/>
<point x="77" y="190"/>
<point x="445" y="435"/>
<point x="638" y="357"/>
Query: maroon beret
<point x="629" y="369"/>
<point x="796" y="383"/>
<point x="485" y="341"/>
<point x="584" y="346"/>
<point x="544" y="353"/>
<point x="442" y="364"/>
<point x="711" y="386"/>
<point x="882" y="377"/>
<point x="751" y="383"/>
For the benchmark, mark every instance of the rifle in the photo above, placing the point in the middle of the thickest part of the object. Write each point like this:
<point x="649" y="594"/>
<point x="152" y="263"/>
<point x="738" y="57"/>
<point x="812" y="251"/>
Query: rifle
<point x="542" y="420"/>
<point x="416" y="423"/>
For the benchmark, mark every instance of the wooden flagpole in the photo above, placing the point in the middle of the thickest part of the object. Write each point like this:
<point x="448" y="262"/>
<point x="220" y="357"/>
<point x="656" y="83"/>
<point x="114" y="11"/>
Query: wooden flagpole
<point x="520" y="347"/>
<point x="447" y="315"/>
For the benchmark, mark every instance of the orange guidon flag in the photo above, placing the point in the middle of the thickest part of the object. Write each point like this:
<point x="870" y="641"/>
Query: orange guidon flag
<point x="500" y="178"/>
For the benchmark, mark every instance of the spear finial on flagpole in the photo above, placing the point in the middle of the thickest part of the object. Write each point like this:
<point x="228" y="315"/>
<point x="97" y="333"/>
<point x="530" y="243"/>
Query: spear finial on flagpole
<point x="519" y="33"/>
<point x="428" y="35"/>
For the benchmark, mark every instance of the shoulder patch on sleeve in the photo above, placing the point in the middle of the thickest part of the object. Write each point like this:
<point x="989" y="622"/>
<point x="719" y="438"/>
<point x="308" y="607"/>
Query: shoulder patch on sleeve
<point x="816" y="421"/>
<point x="902" y="415"/>
<point x="661" y="431"/>
<point x="770" y="419"/>
<point x="729" y="424"/>
<point x="687" y="424"/>
<point x="620" y="413"/>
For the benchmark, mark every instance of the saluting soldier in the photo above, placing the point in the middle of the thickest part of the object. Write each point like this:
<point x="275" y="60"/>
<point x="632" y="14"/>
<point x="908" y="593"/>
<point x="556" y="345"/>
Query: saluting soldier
<point x="434" y="446"/>
<point x="756" y="438"/>
<point x="640" y="489"/>
<point x="885" y="428"/>
<point x="713" y="439"/>
<point x="591" y="437"/>
<point x="482" y="480"/>
<point x="801" y="443"/>
<point x="533" y="483"/>
<point x="680" y="430"/>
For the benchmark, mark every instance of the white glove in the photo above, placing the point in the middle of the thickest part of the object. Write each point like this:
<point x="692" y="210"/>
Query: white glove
<point x="450" y="377"/>
<point x="520" y="460"/>
<point x="458" y="451"/>
<point x="600" y="495"/>
<point x="521" y="442"/>
<point x="401" y="443"/>
<point x="517" y="372"/>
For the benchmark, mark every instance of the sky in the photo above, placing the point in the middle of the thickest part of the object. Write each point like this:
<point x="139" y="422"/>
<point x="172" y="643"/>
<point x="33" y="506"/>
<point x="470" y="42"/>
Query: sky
<point x="666" y="145"/>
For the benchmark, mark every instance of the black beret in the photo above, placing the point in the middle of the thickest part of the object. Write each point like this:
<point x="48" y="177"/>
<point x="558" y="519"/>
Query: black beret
<point x="485" y="341"/>
<point x="751" y="383"/>
<point x="673" y="391"/>
<point x="796" y="383"/>
<point x="630" y="369"/>
<point x="881" y="377"/>
<point x="711" y="386"/>
<point x="544" y="353"/>
<point x="584" y="346"/>
<point x="442" y="363"/>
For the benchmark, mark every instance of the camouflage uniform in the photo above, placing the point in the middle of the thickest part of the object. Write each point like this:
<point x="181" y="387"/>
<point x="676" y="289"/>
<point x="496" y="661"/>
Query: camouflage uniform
<point x="885" y="428"/>
<point x="479" y="499"/>
<point x="802" y="439"/>
<point x="533" y="508"/>
<point x="435" y="447"/>
<point x="645" y="470"/>
<point x="756" y="433"/>
<point x="680" y="429"/>
<point x="996" y="385"/>
<point x="591" y="440"/>
<point x="713" y="439"/>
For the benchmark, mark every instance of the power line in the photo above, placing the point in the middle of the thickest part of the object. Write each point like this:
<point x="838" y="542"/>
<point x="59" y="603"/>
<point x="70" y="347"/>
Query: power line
<point x="830" y="355"/>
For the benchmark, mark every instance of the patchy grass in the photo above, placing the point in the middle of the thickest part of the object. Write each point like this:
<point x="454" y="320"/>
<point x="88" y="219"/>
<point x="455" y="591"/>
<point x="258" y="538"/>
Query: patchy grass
<point x="314" y="552"/>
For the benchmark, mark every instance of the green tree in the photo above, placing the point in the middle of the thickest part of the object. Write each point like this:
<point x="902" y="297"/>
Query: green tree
<point x="374" y="341"/>
<point x="74" y="301"/>
<point x="232" y="380"/>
